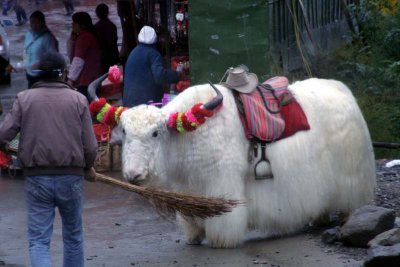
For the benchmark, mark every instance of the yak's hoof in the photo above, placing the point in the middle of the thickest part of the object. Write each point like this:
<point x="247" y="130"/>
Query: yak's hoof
<point x="194" y="242"/>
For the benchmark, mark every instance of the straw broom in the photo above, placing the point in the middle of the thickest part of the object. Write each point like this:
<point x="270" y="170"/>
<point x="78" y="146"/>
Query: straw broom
<point x="171" y="202"/>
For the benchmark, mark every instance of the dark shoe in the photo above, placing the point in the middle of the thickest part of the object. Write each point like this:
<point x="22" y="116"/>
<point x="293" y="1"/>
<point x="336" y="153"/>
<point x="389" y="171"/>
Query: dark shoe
<point x="21" y="22"/>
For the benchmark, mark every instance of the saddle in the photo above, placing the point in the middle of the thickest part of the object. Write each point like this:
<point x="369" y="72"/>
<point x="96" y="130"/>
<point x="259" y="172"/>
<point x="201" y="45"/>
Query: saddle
<point x="269" y="113"/>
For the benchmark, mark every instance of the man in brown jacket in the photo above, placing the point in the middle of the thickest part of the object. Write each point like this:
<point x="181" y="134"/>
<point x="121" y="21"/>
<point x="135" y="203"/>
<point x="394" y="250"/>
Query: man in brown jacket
<point x="57" y="149"/>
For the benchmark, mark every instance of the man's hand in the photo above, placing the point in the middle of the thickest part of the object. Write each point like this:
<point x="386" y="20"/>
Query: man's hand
<point x="90" y="175"/>
<point x="10" y="69"/>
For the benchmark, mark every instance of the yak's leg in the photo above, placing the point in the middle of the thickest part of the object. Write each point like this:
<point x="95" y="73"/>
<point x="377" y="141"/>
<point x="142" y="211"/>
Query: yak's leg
<point x="227" y="231"/>
<point x="194" y="230"/>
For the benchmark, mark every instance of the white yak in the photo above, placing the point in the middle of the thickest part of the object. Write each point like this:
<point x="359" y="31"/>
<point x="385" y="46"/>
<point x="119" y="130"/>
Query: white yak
<point x="328" y="168"/>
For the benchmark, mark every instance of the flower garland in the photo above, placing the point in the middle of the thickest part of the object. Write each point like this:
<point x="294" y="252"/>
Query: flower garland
<point x="180" y="121"/>
<point x="190" y="120"/>
<point x="105" y="113"/>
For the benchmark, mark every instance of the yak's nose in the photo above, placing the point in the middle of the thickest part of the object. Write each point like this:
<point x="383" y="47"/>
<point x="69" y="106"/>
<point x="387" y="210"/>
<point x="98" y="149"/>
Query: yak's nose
<point x="136" y="178"/>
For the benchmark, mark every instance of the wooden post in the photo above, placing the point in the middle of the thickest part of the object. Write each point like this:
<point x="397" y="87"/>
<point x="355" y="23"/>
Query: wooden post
<point x="386" y="145"/>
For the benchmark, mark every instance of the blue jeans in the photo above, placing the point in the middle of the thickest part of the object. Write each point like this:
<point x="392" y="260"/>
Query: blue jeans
<point x="43" y="195"/>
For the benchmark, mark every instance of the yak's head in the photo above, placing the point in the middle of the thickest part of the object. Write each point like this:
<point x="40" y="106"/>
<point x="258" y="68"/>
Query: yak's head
<point x="147" y="134"/>
<point x="144" y="136"/>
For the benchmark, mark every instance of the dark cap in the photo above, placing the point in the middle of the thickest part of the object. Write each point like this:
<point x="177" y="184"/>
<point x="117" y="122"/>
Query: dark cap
<point x="82" y="19"/>
<point x="102" y="11"/>
<point x="52" y="64"/>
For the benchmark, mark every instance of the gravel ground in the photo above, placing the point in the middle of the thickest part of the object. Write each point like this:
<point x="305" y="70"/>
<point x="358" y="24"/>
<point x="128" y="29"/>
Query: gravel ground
<point x="387" y="194"/>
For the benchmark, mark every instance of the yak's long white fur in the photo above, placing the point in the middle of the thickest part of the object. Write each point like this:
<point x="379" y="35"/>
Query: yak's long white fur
<point x="327" y="168"/>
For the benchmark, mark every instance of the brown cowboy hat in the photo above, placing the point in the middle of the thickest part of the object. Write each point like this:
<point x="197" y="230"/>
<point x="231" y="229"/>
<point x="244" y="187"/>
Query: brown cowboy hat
<point x="241" y="80"/>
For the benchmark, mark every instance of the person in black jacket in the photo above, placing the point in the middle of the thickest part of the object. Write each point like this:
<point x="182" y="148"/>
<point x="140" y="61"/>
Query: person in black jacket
<point x="107" y="33"/>
<point x="5" y="70"/>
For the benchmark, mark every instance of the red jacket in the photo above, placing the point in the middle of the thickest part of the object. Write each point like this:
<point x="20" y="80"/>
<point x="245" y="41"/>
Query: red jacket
<point x="87" y="48"/>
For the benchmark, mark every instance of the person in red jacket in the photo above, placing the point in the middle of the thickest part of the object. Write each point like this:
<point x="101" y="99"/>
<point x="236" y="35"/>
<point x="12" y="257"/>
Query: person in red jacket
<point x="86" y="61"/>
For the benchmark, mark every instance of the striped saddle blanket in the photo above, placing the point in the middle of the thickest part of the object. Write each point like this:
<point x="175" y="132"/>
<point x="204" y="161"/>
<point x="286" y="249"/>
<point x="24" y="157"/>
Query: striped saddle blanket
<point x="270" y="112"/>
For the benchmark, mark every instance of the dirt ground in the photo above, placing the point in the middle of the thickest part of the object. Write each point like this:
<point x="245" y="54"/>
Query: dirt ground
<point x="121" y="229"/>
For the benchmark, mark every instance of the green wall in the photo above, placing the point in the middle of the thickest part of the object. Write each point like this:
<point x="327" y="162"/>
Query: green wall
<point x="226" y="33"/>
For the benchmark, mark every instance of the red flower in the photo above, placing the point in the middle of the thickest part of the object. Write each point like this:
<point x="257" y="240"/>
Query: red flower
<point x="120" y="112"/>
<point x="114" y="74"/>
<point x="97" y="105"/>
<point x="186" y="123"/>
<point x="109" y="117"/>
<point x="201" y="113"/>
<point x="172" y="120"/>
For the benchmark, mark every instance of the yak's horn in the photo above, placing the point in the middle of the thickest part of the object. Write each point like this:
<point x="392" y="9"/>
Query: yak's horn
<point x="96" y="84"/>
<point x="211" y="105"/>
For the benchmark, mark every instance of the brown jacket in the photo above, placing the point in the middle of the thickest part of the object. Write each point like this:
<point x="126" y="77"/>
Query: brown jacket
<point x="56" y="133"/>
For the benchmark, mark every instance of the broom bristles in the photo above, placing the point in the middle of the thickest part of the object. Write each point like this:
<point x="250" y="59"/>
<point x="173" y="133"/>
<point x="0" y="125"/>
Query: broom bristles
<point x="171" y="202"/>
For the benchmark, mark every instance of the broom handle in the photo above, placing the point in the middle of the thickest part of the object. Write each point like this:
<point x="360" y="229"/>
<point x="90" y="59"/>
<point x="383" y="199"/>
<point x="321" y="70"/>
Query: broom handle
<point x="112" y="181"/>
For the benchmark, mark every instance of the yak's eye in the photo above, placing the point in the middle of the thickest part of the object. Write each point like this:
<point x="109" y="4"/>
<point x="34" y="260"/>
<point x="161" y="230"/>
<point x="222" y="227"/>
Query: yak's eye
<point x="123" y="131"/>
<point x="154" y="134"/>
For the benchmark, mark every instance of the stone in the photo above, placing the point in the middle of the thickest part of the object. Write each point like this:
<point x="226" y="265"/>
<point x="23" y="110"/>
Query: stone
<point x="383" y="256"/>
<point x="365" y="223"/>
<point x="331" y="235"/>
<point x="397" y="222"/>
<point x="387" y="238"/>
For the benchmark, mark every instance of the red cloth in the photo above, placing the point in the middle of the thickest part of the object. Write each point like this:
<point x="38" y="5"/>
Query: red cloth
<point x="109" y="89"/>
<point x="5" y="160"/>
<point x="87" y="47"/>
<point x="295" y="119"/>
<point x="102" y="132"/>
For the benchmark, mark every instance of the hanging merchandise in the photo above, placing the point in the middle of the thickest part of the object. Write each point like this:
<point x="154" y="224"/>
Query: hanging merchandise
<point x="185" y="24"/>
<point x="181" y="62"/>
<point x="180" y="21"/>
<point x="171" y="24"/>
<point x="157" y="17"/>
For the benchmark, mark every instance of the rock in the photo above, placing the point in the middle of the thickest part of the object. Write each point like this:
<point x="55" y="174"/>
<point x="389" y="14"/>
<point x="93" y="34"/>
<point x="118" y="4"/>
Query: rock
<point x="397" y="222"/>
<point x="331" y="235"/>
<point x="365" y="223"/>
<point x="387" y="256"/>
<point x="387" y="238"/>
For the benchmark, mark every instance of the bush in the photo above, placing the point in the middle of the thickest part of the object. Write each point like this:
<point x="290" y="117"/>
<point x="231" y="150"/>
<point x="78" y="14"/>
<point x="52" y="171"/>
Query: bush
<point x="370" y="66"/>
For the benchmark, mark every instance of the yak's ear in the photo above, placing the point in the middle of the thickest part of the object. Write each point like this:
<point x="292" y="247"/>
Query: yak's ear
<point x="116" y="135"/>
